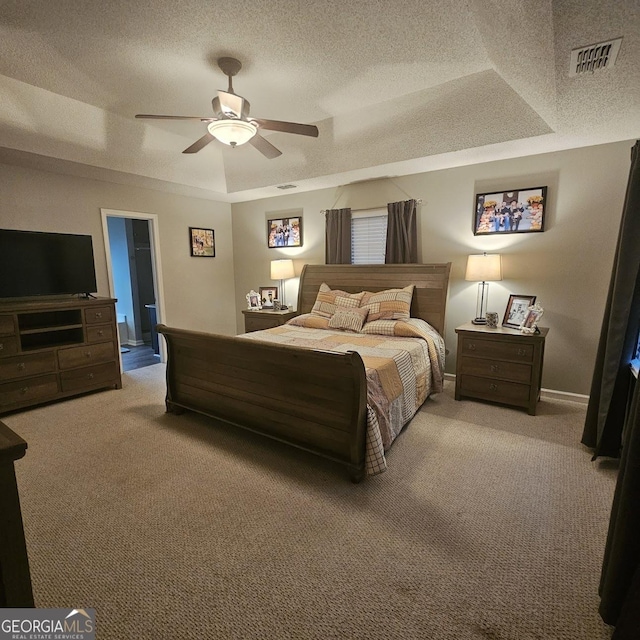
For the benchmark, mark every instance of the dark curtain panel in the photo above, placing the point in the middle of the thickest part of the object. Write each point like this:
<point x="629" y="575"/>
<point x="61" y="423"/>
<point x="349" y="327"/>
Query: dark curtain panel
<point x="337" y="248"/>
<point x="612" y="376"/>
<point x="620" y="580"/>
<point x="402" y="233"/>
<point x="613" y="418"/>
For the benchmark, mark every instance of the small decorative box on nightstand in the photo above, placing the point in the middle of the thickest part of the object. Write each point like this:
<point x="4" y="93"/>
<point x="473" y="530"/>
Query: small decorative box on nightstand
<point x="263" y="319"/>
<point x="500" y="365"/>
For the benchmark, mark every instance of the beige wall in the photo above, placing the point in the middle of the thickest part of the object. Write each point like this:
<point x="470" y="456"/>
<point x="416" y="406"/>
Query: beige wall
<point x="197" y="291"/>
<point x="567" y="267"/>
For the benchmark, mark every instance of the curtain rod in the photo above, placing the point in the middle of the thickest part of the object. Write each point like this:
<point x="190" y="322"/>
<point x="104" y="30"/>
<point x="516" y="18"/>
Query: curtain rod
<point x="382" y="206"/>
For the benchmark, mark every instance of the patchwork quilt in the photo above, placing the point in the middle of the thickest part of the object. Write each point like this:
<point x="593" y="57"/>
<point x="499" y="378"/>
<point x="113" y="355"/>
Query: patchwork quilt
<point x="404" y="362"/>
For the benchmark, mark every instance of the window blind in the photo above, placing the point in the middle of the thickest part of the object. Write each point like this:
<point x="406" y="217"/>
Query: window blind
<point x="368" y="239"/>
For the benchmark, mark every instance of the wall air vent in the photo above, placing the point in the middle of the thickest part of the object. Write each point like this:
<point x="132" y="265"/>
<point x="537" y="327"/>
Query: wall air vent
<point x="594" y="57"/>
<point x="287" y="186"/>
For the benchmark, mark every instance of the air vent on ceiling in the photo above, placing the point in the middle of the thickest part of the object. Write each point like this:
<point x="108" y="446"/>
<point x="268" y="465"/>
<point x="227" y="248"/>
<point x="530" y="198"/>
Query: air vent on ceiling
<point x="594" y="57"/>
<point x="287" y="186"/>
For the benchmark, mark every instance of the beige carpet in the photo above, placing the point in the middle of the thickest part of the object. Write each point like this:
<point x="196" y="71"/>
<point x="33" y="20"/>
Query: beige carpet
<point x="489" y="523"/>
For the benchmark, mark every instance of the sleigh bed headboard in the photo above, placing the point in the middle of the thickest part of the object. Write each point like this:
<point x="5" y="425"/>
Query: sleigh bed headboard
<point x="429" y="297"/>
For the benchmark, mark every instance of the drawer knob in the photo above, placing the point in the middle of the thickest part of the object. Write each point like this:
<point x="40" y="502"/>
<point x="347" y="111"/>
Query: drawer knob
<point x="472" y="347"/>
<point x="493" y="387"/>
<point x="495" y="368"/>
<point x="1" y="346"/>
<point x="522" y="352"/>
<point x="24" y="390"/>
<point x="22" y="366"/>
<point x="87" y="354"/>
<point x="101" y="333"/>
<point x="98" y="314"/>
<point x="89" y="376"/>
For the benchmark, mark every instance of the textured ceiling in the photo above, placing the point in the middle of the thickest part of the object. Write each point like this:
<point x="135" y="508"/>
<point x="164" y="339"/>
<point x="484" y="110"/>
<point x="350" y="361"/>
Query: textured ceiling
<point x="394" y="87"/>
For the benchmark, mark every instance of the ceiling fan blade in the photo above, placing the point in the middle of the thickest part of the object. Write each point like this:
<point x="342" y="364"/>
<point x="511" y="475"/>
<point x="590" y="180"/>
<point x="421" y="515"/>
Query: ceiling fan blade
<point x="288" y="127"/>
<point x="232" y="104"/>
<point x="265" y="147"/>
<point x="152" y="117"/>
<point x="199" y="144"/>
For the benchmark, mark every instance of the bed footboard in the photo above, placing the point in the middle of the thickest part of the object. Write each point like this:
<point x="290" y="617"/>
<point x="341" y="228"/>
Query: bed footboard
<point x="311" y="399"/>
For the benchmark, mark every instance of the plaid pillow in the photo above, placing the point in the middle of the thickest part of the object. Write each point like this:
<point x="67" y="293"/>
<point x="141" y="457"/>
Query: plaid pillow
<point x="347" y="318"/>
<point x="391" y="304"/>
<point x="328" y="299"/>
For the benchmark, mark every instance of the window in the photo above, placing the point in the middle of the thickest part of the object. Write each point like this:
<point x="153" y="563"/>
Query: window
<point x="368" y="236"/>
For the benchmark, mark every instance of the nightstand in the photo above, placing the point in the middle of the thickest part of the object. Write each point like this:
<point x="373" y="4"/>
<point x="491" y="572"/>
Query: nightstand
<point x="500" y="365"/>
<point x="264" y="319"/>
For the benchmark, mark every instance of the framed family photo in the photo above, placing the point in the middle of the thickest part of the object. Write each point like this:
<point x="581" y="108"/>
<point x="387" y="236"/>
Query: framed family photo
<point x="517" y="310"/>
<point x="284" y="232"/>
<point x="203" y="243"/>
<point x="267" y="296"/>
<point x="516" y="211"/>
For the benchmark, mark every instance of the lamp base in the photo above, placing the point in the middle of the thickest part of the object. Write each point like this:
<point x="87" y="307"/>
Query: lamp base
<point x="479" y="321"/>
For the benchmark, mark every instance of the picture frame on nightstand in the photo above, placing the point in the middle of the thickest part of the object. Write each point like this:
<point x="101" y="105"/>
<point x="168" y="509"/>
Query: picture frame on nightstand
<point x="517" y="309"/>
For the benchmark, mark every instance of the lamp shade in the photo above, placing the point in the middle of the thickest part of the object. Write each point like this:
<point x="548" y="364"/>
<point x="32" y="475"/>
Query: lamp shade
<point x="232" y="132"/>
<point x="484" y="268"/>
<point x="282" y="269"/>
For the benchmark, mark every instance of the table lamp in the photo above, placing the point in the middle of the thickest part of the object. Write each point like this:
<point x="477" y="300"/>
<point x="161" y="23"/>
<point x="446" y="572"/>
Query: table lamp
<point x="483" y="268"/>
<point x="282" y="270"/>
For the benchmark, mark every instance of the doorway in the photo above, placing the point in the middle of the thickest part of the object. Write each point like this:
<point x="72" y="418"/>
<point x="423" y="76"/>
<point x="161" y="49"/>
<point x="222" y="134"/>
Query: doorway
<point x="131" y="245"/>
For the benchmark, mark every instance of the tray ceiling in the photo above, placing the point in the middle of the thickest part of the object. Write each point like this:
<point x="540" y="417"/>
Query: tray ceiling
<point x="394" y="88"/>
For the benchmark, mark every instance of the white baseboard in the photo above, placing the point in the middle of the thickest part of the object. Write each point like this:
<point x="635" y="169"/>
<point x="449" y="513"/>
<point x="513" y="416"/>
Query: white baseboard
<point x="549" y="394"/>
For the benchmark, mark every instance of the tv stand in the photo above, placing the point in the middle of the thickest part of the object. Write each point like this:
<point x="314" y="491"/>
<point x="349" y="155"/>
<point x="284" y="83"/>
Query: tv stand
<point x="56" y="348"/>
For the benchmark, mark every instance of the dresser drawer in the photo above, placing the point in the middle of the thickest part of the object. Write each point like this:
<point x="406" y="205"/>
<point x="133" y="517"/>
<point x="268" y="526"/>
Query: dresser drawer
<point x="98" y="315"/>
<point x="497" y="350"/>
<point x="85" y="355"/>
<point x="100" y="333"/>
<point x="25" y="366"/>
<point x="6" y="326"/>
<point x="89" y="377"/>
<point x="496" y="390"/>
<point x="511" y="371"/>
<point x="8" y="346"/>
<point x="28" y="391"/>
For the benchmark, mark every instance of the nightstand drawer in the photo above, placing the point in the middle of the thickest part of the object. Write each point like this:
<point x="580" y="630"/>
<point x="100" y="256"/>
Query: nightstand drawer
<point x="496" y="390"/>
<point x="511" y="371"/>
<point x="25" y="366"/>
<point x="497" y="350"/>
<point x="89" y="354"/>
<point x="26" y="391"/>
<point x="8" y="346"/>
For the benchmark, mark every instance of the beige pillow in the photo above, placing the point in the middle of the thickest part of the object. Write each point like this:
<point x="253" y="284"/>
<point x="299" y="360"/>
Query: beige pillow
<point x="391" y="304"/>
<point x="328" y="299"/>
<point x="348" y="318"/>
<point x="309" y="321"/>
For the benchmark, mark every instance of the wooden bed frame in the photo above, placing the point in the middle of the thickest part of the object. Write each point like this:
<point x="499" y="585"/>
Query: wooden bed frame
<point x="309" y="398"/>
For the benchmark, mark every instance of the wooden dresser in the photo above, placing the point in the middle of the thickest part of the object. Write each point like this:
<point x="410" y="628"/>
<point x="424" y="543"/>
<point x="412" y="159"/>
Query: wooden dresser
<point x="56" y="348"/>
<point x="265" y="319"/>
<point x="500" y="365"/>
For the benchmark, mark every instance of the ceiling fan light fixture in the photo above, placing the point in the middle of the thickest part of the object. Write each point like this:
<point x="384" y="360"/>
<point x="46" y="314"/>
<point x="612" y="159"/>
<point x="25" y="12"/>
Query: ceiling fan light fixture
<point x="232" y="132"/>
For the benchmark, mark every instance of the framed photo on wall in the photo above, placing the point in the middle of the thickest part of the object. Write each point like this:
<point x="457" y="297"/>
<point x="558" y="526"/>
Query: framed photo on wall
<point x="515" y="211"/>
<point x="517" y="310"/>
<point x="203" y="243"/>
<point x="284" y="232"/>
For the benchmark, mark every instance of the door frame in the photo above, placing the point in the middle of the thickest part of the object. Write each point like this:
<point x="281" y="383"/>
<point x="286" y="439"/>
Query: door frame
<point x="154" y="237"/>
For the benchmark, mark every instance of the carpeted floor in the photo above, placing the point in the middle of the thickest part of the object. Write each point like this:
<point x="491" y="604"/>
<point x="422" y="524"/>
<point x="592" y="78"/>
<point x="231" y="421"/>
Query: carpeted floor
<point x="489" y="524"/>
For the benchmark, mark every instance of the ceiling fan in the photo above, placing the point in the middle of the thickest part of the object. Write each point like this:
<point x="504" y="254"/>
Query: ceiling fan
<point x="231" y="123"/>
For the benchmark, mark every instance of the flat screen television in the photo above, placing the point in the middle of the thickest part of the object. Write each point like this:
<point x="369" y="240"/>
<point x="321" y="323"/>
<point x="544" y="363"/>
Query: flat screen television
<point x="34" y="263"/>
